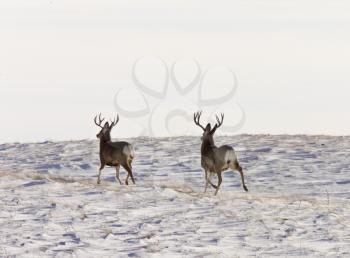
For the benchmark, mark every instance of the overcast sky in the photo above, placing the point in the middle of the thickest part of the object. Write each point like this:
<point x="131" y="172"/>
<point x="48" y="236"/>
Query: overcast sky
<point x="61" y="62"/>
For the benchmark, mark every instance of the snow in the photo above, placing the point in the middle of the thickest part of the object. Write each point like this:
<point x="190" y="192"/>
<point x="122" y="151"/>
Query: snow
<point x="297" y="204"/>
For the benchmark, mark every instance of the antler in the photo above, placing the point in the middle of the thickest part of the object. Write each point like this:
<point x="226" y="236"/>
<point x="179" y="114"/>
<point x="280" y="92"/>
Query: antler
<point x="196" y="117"/>
<point x="114" y="122"/>
<point x="100" y="120"/>
<point x="219" y="123"/>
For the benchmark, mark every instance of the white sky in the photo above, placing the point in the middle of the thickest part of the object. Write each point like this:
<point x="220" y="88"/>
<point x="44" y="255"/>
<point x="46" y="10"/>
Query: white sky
<point x="61" y="62"/>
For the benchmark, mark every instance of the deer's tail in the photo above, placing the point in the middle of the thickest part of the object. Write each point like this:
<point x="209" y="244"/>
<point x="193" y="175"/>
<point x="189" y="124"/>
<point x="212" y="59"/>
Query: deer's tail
<point x="132" y="152"/>
<point x="129" y="152"/>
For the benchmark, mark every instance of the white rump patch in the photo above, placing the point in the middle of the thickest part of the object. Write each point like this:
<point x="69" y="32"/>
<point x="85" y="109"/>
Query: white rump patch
<point x="230" y="156"/>
<point x="129" y="150"/>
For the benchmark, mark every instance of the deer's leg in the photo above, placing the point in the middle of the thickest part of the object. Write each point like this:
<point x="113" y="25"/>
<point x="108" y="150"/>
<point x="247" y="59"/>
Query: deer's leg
<point x="127" y="177"/>
<point x="219" y="182"/>
<point x="117" y="168"/>
<point x="210" y="175"/>
<point x="129" y="163"/>
<point x="214" y="186"/>
<point x="206" y="180"/>
<point x="99" y="173"/>
<point x="240" y="170"/>
<point x="128" y="169"/>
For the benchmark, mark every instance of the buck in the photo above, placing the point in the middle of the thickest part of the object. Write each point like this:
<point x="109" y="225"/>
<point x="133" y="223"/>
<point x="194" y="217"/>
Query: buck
<point x="114" y="154"/>
<point x="215" y="160"/>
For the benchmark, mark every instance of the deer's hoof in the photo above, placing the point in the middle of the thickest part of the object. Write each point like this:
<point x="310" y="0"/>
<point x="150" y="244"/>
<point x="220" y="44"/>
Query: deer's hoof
<point x="98" y="182"/>
<point x="245" y="188"/>
<point x="126" y="182"/>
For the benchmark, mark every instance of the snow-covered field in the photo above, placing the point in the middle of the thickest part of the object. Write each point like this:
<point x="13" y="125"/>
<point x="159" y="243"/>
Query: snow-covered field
<point x="298" y="202"/>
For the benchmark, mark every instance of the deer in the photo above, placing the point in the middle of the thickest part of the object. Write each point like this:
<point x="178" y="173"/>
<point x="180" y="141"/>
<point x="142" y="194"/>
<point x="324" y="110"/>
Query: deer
<point x="114" y="154"/>
<point x="215" y="160"/>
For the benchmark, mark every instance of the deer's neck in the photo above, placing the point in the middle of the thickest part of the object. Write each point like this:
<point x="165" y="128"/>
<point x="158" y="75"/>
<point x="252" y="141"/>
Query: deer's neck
<point x="103" y="143"/>
<point x="207" y="147"/>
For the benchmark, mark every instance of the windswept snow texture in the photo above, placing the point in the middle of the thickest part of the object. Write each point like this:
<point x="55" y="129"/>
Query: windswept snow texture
<point x="298" y="204"/>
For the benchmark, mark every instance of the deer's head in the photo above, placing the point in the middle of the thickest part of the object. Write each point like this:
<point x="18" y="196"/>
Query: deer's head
<point x="208" y="132"/>
<point x="105" y="132"/>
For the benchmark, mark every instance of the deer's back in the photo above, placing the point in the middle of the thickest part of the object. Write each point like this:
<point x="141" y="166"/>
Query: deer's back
<point x="119" y="151"/>
<point x="219" y="158"/>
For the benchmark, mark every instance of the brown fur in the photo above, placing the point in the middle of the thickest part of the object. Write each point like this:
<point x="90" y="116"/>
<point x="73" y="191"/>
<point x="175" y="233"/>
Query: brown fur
<point x="214" y="159"/>
<point x="112" y="153"/>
